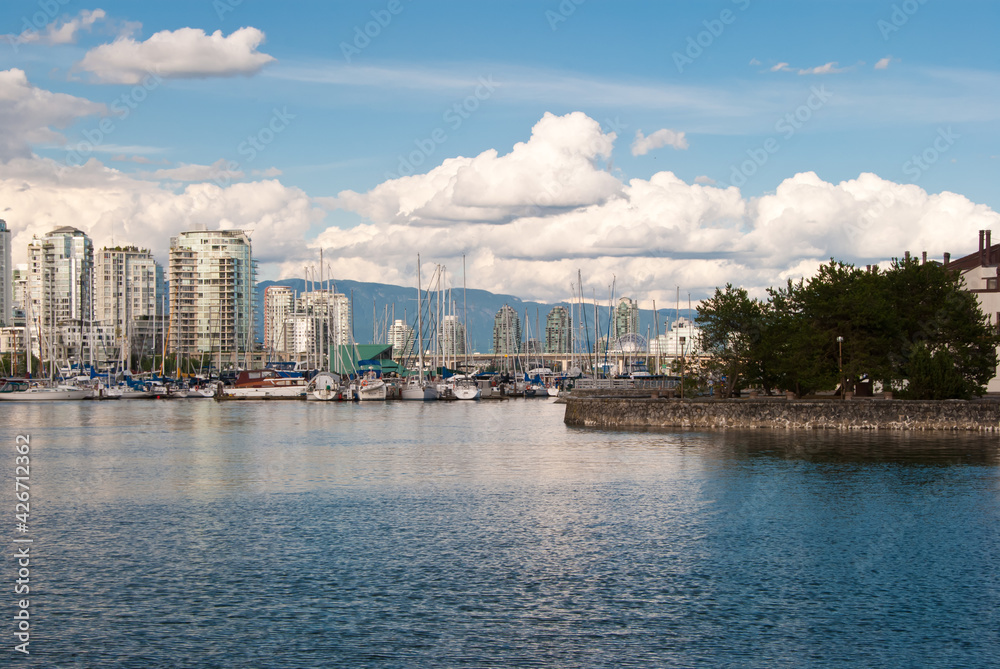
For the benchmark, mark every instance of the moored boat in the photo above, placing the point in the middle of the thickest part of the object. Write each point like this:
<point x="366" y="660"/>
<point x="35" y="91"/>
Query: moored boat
<point x="22" y="390"/>
<point x="418" y="390"/>
<point x="261" y="384"/>
<point x="323" y="387"/>
<point x="465" y="389"/>
<point x="370" y="387"/>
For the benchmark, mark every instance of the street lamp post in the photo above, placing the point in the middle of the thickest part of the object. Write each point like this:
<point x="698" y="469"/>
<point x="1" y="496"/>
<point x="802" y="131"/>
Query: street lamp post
<point x="682" y="342"/>
<point x="840" y="365"/>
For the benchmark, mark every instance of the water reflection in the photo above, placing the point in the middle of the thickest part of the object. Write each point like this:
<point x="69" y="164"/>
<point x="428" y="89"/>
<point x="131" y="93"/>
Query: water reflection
<point x="864" y="446"/>
<point x="297" y="534"/>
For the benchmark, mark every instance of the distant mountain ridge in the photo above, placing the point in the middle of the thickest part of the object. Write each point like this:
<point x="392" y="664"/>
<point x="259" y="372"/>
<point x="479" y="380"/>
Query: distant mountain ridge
<point x="371" y="301"/>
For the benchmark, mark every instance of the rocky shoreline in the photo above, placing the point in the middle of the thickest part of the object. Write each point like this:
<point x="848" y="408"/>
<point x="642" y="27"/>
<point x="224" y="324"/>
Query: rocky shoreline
<point x="776" y="413"/>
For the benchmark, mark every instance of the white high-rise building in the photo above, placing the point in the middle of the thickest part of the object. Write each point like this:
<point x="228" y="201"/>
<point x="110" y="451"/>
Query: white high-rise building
<point x="212" y="292"/>
<point x="60" y="277"/>
<point x="299" y="334"/>
<point x="279" y="302"/>
<point x="451" y="336"/>
<point x="683" y="338"/>
<point x="333" y="313"/>
<point x="128" y="295"/>
<point x="6" y="278"/>
<point x="401" y="338"/>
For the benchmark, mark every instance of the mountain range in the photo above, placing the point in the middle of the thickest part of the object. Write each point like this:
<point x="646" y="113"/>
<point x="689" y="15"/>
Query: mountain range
<point x="374" y="303"/>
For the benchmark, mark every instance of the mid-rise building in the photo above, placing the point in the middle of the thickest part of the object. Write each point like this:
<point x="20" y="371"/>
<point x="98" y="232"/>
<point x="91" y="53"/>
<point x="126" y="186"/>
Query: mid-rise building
<point x="506" y="331"/>
<point x="558" y="331"/>
<point x="21" y="295"/>
<point x="683" y="338"/>
<point x="980" y="272"/>
<point x="212" y="292"/>
<point x="299" y="334"/>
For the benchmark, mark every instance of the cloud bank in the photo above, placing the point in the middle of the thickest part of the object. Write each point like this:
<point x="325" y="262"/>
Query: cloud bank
<point x="522" y="221"/>
<point x="651" y="235"/>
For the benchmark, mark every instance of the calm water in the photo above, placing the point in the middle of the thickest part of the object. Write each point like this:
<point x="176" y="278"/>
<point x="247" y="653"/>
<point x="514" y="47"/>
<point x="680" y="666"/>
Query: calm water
<point x="198" y="534"/>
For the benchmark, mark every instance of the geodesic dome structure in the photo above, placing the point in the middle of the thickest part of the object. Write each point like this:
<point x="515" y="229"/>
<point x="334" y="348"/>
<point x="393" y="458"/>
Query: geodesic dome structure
<point x="630" y="343"/>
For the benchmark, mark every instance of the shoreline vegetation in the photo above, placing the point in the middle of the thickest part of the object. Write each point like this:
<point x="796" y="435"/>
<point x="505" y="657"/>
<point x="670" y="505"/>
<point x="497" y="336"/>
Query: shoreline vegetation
<point x="912" y="330"/>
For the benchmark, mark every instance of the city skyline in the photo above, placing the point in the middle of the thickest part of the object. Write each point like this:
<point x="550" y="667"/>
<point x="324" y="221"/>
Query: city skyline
<point x="86" y="305"/>
<point x="654" y="146"/>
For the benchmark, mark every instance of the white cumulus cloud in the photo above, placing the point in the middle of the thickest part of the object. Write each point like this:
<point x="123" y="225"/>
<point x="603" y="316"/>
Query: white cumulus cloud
<point x="41" y="194"/>
<point x="651" y="234"/>
<point x="524" y="220"/>
<point x="28" y="114"/>
<point x="642" y="145"/>
<point x="558" y="168"/>
<point x="183" y="53"/>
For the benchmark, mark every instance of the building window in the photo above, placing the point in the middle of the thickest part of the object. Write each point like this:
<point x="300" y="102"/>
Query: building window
<point x="991" y="284"/>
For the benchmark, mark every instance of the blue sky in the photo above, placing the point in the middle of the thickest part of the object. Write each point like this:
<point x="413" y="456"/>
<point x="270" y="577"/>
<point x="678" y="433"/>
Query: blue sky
<point x="748" y="94"/>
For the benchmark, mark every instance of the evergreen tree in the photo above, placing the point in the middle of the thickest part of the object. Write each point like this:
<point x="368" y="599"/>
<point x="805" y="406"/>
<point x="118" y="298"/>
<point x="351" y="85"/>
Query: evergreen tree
<point x="731" y="326"/>
<point x="913" y="328"/>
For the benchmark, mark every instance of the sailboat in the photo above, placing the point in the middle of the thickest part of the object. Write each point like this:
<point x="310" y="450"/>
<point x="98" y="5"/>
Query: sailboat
<point x="370" y="385"/>
<point x="416" y="388"/>
<point x="464" y="387"/>
<point x="20" y="390"/>
<point x="323" y="387"/>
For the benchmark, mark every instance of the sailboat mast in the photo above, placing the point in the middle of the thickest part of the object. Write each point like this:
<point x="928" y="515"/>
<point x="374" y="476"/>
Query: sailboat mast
<point x="656" y="335"/>
<point x="597" y="334"/>
<point x="420" y="333"/>
<point x="465" y="318"/>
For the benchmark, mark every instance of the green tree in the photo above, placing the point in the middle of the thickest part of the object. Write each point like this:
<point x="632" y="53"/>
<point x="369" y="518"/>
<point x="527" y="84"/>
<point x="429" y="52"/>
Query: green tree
<point x="731" y="325"/>
<point x="938" y="316"/>
<point x="840" y="301"/>
<point x="934" y="376"/>
<point x="913" y="328"/>
<point x="795" y="351"/>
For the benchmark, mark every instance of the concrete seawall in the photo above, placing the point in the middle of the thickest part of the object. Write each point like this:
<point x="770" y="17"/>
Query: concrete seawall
<point x="618" y="412"/>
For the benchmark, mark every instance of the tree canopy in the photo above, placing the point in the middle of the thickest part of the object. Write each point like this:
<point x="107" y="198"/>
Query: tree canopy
<point x="912" y="328"/>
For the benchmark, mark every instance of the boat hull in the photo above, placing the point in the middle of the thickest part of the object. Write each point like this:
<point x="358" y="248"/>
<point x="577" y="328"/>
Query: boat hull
<point x="45" y="395"/>
<point x="464" y="391"/>
<point x="323" y="388"/>
<point x="372" y="391"/>
<point x="419" y="393"/>
<point x="273" y="393"/>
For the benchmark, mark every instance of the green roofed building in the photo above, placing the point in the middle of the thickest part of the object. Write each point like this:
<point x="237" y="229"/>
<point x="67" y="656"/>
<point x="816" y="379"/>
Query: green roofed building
<point x="346" y="358"/>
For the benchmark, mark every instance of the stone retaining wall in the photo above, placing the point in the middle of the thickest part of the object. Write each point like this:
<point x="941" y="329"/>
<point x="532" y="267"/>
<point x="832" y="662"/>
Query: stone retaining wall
<point x="647" y="412"/>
